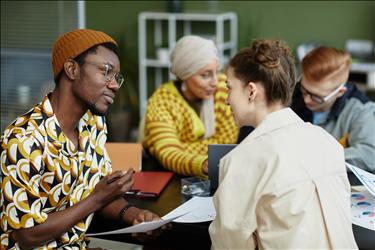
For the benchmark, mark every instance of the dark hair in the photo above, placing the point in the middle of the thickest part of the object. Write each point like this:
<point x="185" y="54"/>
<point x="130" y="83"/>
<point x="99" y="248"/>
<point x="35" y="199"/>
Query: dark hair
<point x="80" y="59"/>
<point x="268" y="62"/>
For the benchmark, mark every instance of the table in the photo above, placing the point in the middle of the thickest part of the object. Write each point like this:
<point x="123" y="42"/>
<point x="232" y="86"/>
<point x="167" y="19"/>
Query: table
<point x="191" y="235"/>
<point x="180" y="236"/>
<point x="364" y="237"/>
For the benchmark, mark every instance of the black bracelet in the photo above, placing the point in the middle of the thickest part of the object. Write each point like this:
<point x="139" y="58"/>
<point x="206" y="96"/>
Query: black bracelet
<point x="123" y="211"/>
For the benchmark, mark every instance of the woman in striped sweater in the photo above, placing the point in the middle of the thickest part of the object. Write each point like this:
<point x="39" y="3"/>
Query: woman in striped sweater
<point x="185" y="115"/>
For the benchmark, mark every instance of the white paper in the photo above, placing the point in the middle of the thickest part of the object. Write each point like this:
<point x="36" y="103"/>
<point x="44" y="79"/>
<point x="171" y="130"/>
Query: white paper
<point x="197" y="209"/>
<point x="363" y="209"/>
<point x="367" y="179"/>
<point x="141" y="227"/>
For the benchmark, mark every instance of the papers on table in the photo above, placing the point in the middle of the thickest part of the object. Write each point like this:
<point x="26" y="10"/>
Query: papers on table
<point x="140" y="228"/>
<point x="197" y="209"/>
<point x="363" y="203"/>
<point x="363" y="209"/>
<point x="367" y="179"/>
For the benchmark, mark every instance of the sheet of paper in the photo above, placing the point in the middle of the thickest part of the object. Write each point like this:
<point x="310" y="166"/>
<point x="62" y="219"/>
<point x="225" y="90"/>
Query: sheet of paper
<point x="197" y="209"/>
<point x="367" y="179"/>
<point x="363" y="209"/>
<point x="140" y="228"/>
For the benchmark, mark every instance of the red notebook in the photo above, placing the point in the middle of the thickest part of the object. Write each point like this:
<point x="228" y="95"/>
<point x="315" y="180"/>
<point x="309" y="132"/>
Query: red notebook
<point x="149" y="183"/>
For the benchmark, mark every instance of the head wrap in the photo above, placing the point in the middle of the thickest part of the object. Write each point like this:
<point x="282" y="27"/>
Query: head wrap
<point x="190" y="54"/>
<point x="73" y="43"/>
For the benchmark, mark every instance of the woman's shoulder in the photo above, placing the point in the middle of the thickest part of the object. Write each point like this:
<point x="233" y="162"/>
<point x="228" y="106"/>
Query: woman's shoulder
<point x="222" y="77"/>
<point x="168" y="88"/>
<point x="221" y="90"/>
<point x="166" y="94"/>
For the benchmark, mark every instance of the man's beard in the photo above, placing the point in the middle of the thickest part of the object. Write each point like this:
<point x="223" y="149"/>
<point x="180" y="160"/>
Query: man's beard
<point x="94" y="110"/>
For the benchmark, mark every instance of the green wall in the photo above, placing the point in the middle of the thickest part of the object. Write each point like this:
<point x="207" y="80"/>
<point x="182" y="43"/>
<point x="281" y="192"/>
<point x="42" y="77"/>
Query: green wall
<point x="328" y="22"/>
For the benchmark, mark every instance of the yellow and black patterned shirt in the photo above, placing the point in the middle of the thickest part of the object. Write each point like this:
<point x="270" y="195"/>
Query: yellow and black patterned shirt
<point x="43" y="172"/>
<point x="174" y="132"/>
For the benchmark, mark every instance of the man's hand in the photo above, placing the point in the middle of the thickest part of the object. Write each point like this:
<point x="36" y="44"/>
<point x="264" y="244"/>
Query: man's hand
<point x="205" y="167"/>
<point x="113" y="186"/>
<point x="145" y="215"/>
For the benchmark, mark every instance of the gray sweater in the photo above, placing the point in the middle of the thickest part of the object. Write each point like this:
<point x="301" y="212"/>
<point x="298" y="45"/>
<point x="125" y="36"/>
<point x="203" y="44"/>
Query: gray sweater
<point x="352" y="122"/>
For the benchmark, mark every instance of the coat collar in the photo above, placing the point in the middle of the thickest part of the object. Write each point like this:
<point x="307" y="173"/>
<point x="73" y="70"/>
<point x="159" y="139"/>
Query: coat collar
<point x="274" y="121"/>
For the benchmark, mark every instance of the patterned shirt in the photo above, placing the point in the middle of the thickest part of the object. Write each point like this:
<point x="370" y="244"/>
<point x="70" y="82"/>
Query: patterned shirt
<point x="42" y="172"/>
<point x="174" y="133"/>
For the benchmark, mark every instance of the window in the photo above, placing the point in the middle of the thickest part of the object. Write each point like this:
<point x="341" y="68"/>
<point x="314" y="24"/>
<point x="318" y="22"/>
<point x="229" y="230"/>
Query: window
<point x="28" y="31"/>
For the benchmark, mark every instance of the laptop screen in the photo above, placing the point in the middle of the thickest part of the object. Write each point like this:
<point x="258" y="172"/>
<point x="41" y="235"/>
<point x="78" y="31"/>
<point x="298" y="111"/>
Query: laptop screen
<point x="215" y="153"/>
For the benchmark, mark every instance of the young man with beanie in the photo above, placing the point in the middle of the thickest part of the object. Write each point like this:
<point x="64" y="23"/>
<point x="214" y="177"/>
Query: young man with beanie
<point x="325" y="98"/>
<point x="55" y="171"/>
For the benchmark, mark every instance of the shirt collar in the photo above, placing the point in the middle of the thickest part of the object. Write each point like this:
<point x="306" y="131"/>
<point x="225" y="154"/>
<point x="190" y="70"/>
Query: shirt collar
<point x="274" y="121"/>
<point x="85" y="123"/>
<point x="339" y="104"/>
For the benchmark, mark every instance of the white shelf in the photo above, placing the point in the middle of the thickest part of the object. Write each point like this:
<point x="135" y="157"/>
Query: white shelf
<point x="223" y="24"/>
<point x="366" y="68"/>
<point x="156" y="63"/>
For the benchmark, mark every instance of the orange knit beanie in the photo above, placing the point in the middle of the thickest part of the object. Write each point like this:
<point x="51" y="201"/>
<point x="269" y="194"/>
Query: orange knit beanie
<point x="73" y="43"/>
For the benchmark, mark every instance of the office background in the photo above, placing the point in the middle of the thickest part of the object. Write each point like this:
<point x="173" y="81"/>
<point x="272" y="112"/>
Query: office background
<point x="296" y="22"/>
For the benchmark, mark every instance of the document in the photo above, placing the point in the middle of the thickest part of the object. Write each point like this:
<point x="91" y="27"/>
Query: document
<point x="363" y="209"/>
<point x="197" y="209"/>
<point x="367" y="179"/>
<point x="140" y="228"/>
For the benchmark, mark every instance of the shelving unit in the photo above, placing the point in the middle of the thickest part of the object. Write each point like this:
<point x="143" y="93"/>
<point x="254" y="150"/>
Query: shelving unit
<point x="170" y="27"/>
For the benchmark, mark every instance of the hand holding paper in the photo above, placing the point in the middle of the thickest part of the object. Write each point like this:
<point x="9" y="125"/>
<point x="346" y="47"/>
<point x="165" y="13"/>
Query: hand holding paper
<point x="139" y="228"/>
<point x="197" y="209"/>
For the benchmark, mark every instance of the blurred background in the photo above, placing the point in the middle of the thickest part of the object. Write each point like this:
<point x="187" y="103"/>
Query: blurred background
<point x="145" y="37"/>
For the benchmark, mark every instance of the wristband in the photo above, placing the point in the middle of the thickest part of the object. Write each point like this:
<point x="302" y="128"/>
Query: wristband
<point x="123" y="211"/>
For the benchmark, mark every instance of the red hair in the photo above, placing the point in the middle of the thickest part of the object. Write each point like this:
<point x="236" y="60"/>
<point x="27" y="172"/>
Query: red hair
<point x="324" y="63"/>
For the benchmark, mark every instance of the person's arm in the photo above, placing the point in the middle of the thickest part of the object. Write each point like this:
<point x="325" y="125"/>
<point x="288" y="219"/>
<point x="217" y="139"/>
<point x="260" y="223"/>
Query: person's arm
<point x="60" y="222"/>
<point x="361" y="139"/>
<point x="240" y="181"/>
<point x="164" y="143"/>
<point x="129" y="214"/>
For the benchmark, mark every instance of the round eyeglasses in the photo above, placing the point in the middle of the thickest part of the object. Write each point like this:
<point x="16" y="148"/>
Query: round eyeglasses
<point x="109" y="73"/>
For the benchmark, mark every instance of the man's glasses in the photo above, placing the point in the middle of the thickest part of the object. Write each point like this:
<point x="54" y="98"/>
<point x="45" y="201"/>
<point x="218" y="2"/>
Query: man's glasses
<point x="109" y="73"/>
<point x="320" y="99"/>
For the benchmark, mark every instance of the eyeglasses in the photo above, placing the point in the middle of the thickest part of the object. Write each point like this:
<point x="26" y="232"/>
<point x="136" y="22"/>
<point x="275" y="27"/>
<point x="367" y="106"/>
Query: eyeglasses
<point x="109" y="73"/>
<point x="320" y="99"/>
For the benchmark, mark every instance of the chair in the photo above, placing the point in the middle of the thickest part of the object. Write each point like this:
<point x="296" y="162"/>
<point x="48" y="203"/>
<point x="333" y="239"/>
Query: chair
<point x="141" y="130"/>
<point x="125" y="155"/>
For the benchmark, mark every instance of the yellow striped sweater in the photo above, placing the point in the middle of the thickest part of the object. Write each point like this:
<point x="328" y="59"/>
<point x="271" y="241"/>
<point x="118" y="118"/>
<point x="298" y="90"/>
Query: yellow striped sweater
<point x="174" y="133"/>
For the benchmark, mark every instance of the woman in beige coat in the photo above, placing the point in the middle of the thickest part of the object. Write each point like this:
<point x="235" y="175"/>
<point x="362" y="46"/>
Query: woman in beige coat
<point x="285" y="185"/>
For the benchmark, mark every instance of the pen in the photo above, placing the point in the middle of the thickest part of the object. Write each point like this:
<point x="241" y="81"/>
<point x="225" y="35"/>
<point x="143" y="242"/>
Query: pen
<point x="117" y="177"/>
<point x="113" y="180"/>
<point x="146" y="194"/>
<point x="132" y="191"/>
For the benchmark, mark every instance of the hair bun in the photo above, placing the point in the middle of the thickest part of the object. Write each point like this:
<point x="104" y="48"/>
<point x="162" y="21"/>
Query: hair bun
<point x="267" y="54"/>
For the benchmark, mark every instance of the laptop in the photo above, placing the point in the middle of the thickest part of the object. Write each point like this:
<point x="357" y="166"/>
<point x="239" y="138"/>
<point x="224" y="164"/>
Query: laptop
<point x="215" y="153"/>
